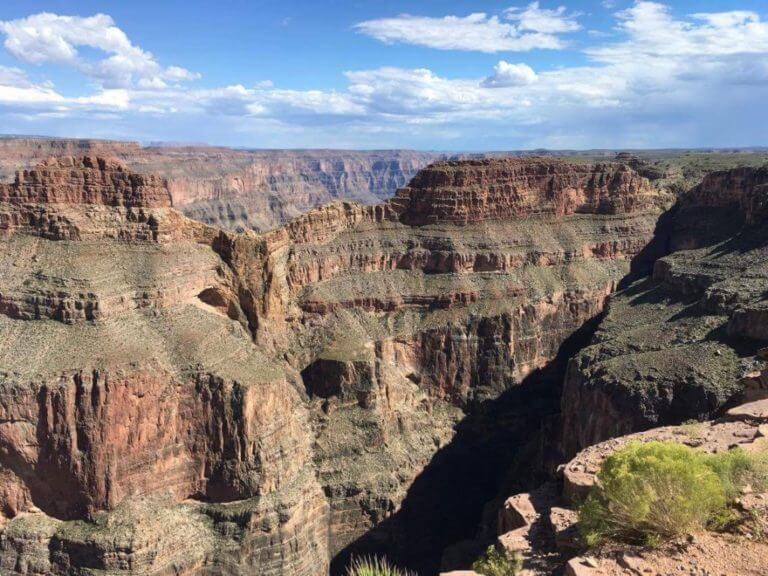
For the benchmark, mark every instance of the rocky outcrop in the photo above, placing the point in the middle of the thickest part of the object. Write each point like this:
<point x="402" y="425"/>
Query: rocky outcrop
<point x="24" y="152"/>
<point x="742" y="191"/>
<point x="460" y="192"/>
<point x="180" y="400"/>
<point x="76" y="198"/>
<point x="541" y="526"/>
<point x="86" y="180"/>
<point x="682" y="343"/>
<point x="737" y="551"/>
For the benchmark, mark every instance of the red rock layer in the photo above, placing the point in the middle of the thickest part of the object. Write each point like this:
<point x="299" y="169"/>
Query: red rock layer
<point x="460" y="192"/>
<point x="323" y="223"/>
<point x="86" y="180"/>
<point x="107" y="436"/>
<point x="742" y="189"/>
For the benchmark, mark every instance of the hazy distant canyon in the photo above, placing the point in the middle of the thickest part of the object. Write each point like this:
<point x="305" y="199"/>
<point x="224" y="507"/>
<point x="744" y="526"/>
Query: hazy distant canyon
<point x="241" y="189"/>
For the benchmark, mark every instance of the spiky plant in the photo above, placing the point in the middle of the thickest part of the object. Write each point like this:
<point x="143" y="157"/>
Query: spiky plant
<point x="373" y="566"/>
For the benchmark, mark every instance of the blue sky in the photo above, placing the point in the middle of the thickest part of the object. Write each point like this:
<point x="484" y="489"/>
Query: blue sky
<point x="440" y="75"/>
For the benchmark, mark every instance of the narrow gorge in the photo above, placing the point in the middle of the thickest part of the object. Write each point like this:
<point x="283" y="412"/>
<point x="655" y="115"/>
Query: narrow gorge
<point x="176" y="398"/>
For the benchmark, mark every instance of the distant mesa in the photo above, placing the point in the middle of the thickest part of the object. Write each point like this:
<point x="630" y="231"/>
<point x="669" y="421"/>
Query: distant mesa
<point x="86" y="180"/>
<point x="462" y="192"/>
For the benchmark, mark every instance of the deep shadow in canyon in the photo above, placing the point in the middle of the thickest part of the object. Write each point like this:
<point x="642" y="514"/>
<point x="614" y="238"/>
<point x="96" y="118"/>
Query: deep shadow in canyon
<point x="444" y="505"/>
<point x="659" y="246"/>
<point x="503" y="446"/>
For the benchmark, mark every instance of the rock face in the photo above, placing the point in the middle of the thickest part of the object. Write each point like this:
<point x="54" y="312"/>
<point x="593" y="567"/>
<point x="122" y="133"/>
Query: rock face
<point x="461" y="192"/>
<point x="265" y="189"/>
<point x="239" y="189"/>
<point x="19" y="153"/>
<point x="130" y="385"/>
<point x="742" y="191"/>
<point x="681" y="344"/>
<point x="86" y="180"/>
<point x="175" y="399"/>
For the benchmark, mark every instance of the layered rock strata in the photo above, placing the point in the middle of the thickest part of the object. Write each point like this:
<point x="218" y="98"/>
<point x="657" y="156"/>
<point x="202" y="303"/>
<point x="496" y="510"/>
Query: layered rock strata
<point x="683" y="343"/>
<point x="460" y="192"/>
<point x="180" y="400"/>
<point x="239" y="189"/>
<point x="86" y="180"/>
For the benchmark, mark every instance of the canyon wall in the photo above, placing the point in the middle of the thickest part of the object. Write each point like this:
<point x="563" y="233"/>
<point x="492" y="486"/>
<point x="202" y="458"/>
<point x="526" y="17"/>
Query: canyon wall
<point x="681" y="344"/>
<point x="22" y="152"/>
<point x="460" y="192"/>
<point x="238" y="189"/>
<point x="177" y="399"/>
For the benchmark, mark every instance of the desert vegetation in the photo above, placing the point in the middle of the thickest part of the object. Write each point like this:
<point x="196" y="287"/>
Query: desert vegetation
<point x="495" y="562"/>
<point x="648" y="492"/>
<point x="374" y="566"/>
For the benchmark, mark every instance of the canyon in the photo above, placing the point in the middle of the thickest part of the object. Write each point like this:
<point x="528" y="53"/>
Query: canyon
<point x="180" y="398"/>
<point x="238" y="189"/>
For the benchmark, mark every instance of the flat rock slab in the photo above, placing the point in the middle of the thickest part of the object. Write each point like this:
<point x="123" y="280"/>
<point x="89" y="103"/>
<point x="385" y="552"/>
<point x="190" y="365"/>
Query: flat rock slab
<point x="742" y="428"/>
<point x="525" y="509"/>
<point x="583" y="566"/>
<point x="563" y="521"/>
<point x="757" y="410"/>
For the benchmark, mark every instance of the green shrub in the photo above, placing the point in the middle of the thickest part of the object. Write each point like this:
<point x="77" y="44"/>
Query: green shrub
<point x="495" y="562"/>
<point x="738" y="470"/>
<point x="372" y="566"/>
<point x="647" y="492"/>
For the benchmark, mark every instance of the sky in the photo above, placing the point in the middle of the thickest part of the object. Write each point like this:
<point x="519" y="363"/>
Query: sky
<point x="458" y="75"/>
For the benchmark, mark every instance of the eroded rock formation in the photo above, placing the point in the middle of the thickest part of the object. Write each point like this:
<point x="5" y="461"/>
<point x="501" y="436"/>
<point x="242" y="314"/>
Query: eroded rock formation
<point x="238" y="189"/>
<point x="461" y="192"/>
<point x="681" y="344"/>
<point x="86" y="180"/>
<point x="176" y="399"/>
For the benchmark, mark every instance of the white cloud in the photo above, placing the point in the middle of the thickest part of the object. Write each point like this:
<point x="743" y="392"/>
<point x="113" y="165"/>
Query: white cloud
<point x="28" y="96"/>
<point x="405" y="92"/>
<point x="177" y="73"/>
<point x="13" y="76"/>
<point x="116" y="98"/>
<point x="51" y="38"/>
<point x="17" y="90"/>
<point x="657" y="80"/>
<point x="537" y="19"/>
<point x="652" y="32"/>
<point x="518" y="30"/>
<point x="506" y="74"/>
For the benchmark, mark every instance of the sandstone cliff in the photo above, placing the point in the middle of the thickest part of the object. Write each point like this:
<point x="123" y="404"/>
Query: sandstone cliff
<point x="86" y="180"/>
<point x="23" y="152"/>
<point x="473" y="191"/>
<point x="238" y="189"/>
<point x="180" y="400"/>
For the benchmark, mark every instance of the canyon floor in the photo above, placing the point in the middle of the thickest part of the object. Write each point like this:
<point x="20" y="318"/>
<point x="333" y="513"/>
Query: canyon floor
<point x="181" y="398"/>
